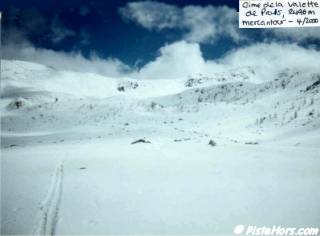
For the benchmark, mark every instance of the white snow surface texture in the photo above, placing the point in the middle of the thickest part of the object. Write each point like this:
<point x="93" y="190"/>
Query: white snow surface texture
<point x="69" y="165"/>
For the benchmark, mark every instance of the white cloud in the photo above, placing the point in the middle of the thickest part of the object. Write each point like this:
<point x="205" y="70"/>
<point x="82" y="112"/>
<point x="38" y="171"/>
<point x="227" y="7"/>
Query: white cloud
<point x="203" y="24"/>
<point x="206" y="24"/>
<point x="152" y="15"/>
<point x="65" y="61"/>
<point x="175" y="61"/>
<point x="273" y="57"/>
<point x="178" y="60"/>
<point x="182" y="59"/>
<point x="297" y="34"/>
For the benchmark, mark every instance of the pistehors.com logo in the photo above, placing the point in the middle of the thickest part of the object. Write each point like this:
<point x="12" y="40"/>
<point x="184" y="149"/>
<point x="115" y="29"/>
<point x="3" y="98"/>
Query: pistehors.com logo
<point x="274" y="230"/>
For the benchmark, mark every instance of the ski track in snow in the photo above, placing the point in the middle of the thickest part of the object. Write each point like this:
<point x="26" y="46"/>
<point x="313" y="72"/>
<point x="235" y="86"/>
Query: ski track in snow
<point x="49" y="211"/>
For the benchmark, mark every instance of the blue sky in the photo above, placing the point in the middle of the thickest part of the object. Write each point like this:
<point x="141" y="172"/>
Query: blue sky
<point x="132" y="33"/>
<point x="97" y="26"/>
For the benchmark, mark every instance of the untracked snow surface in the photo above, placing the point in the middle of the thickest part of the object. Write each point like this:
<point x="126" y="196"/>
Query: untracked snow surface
<point x="70" y="163"/>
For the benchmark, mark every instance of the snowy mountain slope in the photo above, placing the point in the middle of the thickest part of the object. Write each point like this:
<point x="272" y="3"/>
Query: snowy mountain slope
<point x="31" y="75"/>
<point x="61" y="100"/>
<point x="69" y="166"/>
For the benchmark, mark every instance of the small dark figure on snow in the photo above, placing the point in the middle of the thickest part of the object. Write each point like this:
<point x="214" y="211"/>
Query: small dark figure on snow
<point x="212" y="143"/>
